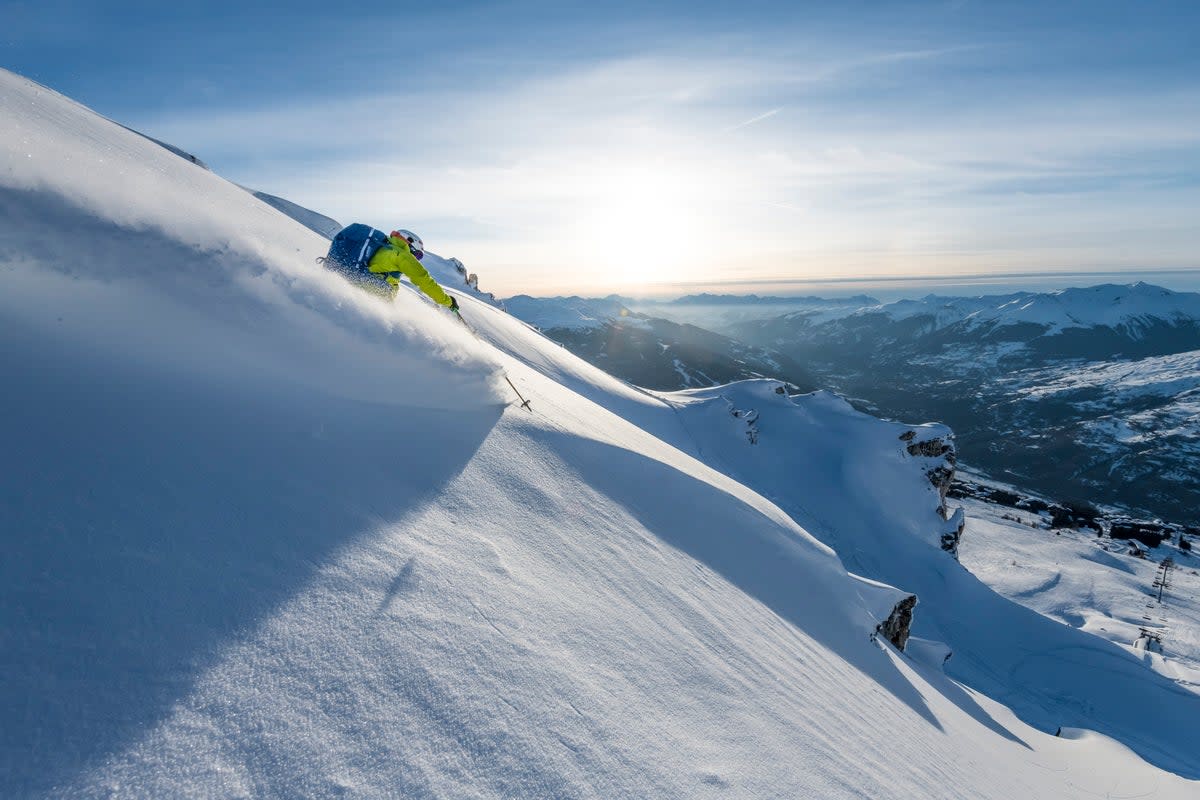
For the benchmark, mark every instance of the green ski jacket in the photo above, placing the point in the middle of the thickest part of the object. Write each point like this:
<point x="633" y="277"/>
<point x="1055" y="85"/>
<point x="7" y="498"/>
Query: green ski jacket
<point x="396" y="260"/>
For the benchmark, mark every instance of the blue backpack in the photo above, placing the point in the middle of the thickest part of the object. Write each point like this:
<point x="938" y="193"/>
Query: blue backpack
<point x="353" y="248"/>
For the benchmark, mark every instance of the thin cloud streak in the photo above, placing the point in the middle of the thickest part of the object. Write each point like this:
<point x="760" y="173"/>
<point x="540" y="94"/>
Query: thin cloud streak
<point x="753" y="120"/>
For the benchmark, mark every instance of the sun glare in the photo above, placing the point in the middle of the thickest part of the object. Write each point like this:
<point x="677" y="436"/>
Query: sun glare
<point x="639" y="226"/>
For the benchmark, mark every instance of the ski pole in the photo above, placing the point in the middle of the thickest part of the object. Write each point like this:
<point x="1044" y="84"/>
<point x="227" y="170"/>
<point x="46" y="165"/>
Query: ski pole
<point x="524" y="402"/>
<point x="504" y="372"/>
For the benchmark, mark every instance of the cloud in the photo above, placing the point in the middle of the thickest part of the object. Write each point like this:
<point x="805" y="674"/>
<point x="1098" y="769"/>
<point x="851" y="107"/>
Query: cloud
<point x="880" y="162"/>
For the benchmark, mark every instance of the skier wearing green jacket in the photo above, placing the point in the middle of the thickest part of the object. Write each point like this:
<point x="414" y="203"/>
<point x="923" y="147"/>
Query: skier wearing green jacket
<point x="402" y="256"/>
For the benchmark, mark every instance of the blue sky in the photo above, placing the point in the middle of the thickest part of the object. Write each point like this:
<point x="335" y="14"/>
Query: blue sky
<point x="587" y="147"/>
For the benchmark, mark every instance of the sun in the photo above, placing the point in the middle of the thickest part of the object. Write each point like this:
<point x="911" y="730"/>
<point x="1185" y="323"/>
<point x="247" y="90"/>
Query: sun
<point x="639" y="226"/>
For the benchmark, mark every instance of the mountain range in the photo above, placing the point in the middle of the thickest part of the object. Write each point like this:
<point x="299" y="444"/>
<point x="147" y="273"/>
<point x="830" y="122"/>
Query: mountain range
<point x="650" y="351"/>
<point x="1087" y="393"/>
<point x="1083" y="393"/>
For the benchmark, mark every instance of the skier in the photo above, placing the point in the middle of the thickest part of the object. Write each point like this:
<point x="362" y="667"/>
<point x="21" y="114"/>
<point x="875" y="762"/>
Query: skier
<point x="400" y="255"/>
<point x="403" y="256"/>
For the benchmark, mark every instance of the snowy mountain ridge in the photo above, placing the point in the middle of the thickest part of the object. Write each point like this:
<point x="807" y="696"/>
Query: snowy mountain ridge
<point x="1128" y="306"/>
<point x="568" y="313"/>
<point x="812" y="301"/>
<point x="317" y="223"/>
<point x="273" y="536"/>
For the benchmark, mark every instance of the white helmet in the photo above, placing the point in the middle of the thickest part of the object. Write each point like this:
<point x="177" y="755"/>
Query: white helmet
<point x="414" y="242"/>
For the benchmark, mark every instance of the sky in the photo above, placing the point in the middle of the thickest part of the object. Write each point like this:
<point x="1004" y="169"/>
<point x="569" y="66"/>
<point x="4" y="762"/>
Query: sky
<point x="599" y="147"/>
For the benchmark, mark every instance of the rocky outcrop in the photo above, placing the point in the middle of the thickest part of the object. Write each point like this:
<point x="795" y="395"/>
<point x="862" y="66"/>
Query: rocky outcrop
<point x="940" y="472"/>
<point x="952" y="533"/>
<point x="747" y="415"/>
<point x="896" y="627"/>
<point x="930" y="448"/>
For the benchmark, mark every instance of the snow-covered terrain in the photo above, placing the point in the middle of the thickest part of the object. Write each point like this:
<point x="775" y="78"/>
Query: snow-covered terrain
<point x="266" y="535"/>
<point x="809" y="449"/>
<point x="1139" y="419"/>
<point x="1090" y="583"/>
<point x="1152" y="400"/>
<point x="1173" y="376"/>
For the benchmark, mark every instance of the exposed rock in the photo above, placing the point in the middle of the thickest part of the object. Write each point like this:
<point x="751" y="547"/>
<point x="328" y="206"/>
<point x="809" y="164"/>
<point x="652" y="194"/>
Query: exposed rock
<point x="941" y="475"/>
<point x="895" y="628"/>
<point x="750" y="417"/>
<point x="931" y="448"/>
<point x="954" y="531"/>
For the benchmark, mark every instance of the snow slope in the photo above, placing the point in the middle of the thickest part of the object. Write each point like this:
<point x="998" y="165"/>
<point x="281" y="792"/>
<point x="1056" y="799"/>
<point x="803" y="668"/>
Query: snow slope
<point x="827" y="465"/>
<point x="1090" y="583"/>
<point x="268" y="536"/>
<point x="317" y="223"/>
